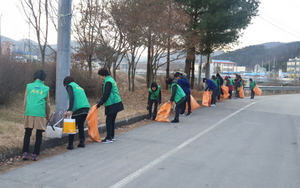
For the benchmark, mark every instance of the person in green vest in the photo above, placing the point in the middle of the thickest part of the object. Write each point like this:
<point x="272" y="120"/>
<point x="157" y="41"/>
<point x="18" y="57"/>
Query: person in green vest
<point x="154" y="97"/>
<point x="177" y="95"/>
<point x="252" y="85"/>
<point x="229" y="84"/>
<point x="216" y="80"/>
<point x="112" y="102"/>
<point x="37" y="111"/>
<point x="78" y="109"/>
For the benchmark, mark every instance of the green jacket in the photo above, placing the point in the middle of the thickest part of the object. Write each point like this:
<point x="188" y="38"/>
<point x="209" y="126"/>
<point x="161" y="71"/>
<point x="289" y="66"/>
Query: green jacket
<point x="252" y="85"/>
<point x="154" y="94"/>
<point x="230" y="82"/>
<point x="80" y="99"/>
<point x="179" y="93"/>
<point x="114" y="96"/>
<point x="37" y="94"/>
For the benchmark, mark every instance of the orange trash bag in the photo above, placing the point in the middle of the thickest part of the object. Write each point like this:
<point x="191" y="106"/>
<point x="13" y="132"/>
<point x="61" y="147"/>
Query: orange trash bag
<point x="257" y="90"/>
<point x="206" y="98"/>
<point x="93" y="130"/>
<point x="164" y="112"/>
<point x="225" y="92"/>
<point x="241" y="93"/>
<point x="194" y="104"/>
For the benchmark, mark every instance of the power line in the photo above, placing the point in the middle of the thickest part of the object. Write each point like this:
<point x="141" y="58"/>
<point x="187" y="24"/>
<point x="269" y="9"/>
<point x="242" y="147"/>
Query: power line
<point x="279" y="27"/>
<point x="279" y="22"/>
<point x="295" y="3"/>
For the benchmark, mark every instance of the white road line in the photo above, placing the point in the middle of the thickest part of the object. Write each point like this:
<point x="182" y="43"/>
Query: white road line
<point x="150" y="165"/>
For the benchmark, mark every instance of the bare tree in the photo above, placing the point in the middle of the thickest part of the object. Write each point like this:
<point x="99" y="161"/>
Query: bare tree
<point x="164" y="23"/>
<point x="37" y="14"/>
<point x="129" y="16"/>
<point x="90" y="14"/>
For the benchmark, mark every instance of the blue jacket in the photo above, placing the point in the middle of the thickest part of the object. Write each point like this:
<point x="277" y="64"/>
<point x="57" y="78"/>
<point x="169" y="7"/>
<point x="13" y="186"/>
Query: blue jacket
<point x="210" y="84"/>
<point x="185" y="85"/>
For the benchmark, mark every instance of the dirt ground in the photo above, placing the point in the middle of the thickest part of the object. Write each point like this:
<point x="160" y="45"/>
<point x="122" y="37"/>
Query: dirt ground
<point x="17" y="162"/>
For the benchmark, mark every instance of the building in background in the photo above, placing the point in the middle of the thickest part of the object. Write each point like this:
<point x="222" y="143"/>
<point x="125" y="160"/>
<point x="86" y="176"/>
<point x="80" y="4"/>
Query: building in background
<point x="293" y="68"/>
<point x="7" y="48"/>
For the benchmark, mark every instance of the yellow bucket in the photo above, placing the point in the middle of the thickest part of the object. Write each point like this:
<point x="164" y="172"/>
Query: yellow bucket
<point x="69" y="126"/>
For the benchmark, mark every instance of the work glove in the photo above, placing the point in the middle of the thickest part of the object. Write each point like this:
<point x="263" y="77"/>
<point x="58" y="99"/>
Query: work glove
<point x="99" y="103"/>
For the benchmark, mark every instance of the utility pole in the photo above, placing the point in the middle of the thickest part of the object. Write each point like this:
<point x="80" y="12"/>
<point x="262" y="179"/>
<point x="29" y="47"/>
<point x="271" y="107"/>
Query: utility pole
<point x="63" y="53"/>
<point x="0" y="37"/>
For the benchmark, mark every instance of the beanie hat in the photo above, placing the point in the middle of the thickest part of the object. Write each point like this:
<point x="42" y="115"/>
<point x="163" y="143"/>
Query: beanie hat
<point x="68" y="80"/>
<point x="39" y="74"/>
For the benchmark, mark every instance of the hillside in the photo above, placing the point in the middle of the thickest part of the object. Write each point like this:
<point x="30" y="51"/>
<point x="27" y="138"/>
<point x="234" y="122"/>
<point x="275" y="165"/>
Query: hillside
<point x="263" y="54"/>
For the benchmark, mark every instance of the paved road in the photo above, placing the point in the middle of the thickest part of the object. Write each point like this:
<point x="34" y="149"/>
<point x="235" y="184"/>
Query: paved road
<point x="238" y="144"/>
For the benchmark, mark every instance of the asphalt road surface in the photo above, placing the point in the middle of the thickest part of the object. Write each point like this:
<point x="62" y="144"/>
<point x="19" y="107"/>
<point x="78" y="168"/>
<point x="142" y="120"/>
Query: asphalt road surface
<point x="243" y="143"/>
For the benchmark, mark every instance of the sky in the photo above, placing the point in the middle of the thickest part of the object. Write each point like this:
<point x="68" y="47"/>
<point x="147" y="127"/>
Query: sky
<point x="277" y="22"/>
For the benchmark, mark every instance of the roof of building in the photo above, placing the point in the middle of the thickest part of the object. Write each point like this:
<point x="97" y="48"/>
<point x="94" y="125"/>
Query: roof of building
<point x="223" y="61"/>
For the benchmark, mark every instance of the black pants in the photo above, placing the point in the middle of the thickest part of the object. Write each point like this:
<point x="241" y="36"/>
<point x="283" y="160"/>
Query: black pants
<point x="110" y="125"/>
<point x="154" y="113"/>
<point x="219" y="93"/>
<point x="214" y="95"/>
<point x="252" y="94"/>
<point x="183" y="107"/>
<point x="230" y="94"/>
<point x="80" y="119"/>
<point x="38" y="140"/>
<point x="177" y="109"/>
<point x="237" y="95"/>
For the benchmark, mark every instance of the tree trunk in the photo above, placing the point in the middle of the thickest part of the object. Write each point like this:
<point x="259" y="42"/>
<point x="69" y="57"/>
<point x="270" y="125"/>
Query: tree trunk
<point x="149" y="62"/>
<point x="128" y="75"/>
<point x="168" y="61"/>
<point x="207" y="67"/>
<point x="193" y="74"/>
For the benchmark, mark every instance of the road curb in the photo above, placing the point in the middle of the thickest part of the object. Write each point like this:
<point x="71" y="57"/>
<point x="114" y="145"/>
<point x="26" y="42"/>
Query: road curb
<point x="51" y="143"/>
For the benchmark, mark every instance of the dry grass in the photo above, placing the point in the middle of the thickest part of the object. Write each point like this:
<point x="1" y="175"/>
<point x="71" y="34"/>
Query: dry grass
<point x="11" y="116"/>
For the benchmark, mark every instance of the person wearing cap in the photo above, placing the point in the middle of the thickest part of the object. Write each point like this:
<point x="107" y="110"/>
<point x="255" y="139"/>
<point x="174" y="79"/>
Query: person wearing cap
<point x="37" y="111"/>
<point x="177" y="95"/>
<point x="78" y="109"/>
<point x="112" y="101"/>
<point x="154" y="97"/>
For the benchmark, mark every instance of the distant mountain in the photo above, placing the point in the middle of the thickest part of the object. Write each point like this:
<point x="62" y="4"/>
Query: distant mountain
<point x="274" y="53"/>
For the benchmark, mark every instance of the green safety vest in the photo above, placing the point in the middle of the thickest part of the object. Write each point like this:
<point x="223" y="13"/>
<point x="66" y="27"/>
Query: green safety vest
<point x="217" y="82"/>
<point x="154" y="94"/>
<point x="230" y="81"/>
<point x="179" y="93"/>
<point x="37" y="94"/>
<point x="252" y="84"/>
<point x="80" y="99"/>
<point x="114" y="96"/>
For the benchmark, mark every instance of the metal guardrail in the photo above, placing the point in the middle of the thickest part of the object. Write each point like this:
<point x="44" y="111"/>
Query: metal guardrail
<point x="278" y="89"/>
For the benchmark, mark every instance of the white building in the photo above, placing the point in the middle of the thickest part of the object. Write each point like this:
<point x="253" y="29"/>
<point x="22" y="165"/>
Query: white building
<point x="293" y="68"/>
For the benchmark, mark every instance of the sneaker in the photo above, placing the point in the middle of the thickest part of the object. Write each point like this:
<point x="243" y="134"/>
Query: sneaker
<point x="188" y="114"/>
<point x="213" y="105"/>
<point x="182" y="114"/>
<point x="25" y="156"/>
<point x="34" y="157"/>
<point x="106" y="141"/>
<point x="175" y="121"/>
<point x="113" y="139"/>
<point x="70" y="147"/>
